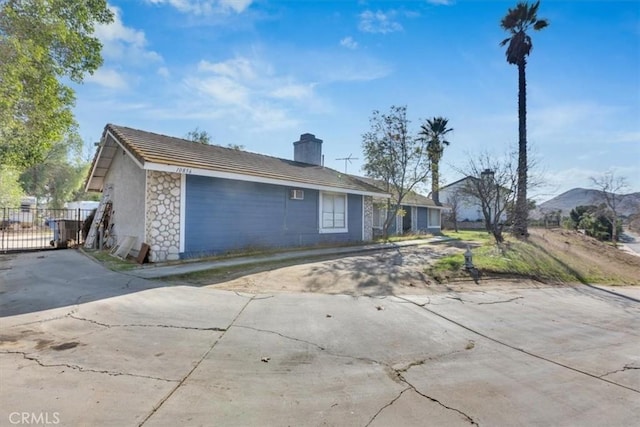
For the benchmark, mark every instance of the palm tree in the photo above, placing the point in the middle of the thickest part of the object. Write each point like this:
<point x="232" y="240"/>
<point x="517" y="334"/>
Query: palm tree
<point x="517" y="22"/>
<point x="433" y="132"/>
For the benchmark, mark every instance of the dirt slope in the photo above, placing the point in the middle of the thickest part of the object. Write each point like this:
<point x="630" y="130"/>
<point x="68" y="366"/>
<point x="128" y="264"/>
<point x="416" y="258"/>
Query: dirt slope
<point x="587" y="255"/>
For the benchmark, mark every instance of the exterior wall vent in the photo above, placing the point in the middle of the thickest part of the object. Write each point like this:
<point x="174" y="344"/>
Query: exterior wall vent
<point x="296" y="194"/>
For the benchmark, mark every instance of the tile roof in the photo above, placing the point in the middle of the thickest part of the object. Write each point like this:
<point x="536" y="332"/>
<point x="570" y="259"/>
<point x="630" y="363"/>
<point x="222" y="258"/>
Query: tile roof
<point x="411" y="199"/>
<point x="151" y="149"/>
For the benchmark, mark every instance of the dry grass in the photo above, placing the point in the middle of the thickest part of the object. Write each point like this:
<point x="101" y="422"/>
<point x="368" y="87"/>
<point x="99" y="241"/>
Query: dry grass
<point x="550" y="256"/>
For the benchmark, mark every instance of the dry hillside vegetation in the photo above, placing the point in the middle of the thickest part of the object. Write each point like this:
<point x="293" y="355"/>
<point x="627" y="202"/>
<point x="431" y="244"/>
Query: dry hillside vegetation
<point x="589" y="258"/>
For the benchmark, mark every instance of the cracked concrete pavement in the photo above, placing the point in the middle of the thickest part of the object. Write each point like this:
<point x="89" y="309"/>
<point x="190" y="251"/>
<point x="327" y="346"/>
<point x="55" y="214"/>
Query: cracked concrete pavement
<point x="102" y="348"/>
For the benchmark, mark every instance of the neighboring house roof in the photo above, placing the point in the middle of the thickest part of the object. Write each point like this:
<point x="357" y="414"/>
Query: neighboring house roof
<point x="444" y="187"/>
<point x="153" y="151"/>
<point x="466" y="178"/>
<point x="411" y="199"/>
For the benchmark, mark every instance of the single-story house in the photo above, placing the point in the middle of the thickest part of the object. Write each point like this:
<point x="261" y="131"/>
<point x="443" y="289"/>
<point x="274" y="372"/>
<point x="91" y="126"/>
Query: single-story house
<point x="469" y="208"/>
<point x="186" y="199"/>
<point x="418" y="214"/>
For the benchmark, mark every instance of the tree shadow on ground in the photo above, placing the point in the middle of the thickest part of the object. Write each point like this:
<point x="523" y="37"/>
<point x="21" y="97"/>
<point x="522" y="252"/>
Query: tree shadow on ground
<point x="379" y="274"/>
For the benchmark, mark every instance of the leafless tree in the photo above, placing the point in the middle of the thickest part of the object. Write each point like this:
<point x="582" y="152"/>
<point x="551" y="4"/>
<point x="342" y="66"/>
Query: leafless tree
<point x="454" y="200"/>
<point x="610" y="188"/>
<point x="492" y="184"/>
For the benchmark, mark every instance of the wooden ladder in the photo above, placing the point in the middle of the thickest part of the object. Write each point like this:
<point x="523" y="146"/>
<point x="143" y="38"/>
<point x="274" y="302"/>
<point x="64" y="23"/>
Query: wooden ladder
<point x="99" y="217"/>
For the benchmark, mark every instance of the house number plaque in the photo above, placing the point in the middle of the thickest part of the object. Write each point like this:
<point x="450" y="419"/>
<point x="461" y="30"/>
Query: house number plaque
<point x="183" y="170"/>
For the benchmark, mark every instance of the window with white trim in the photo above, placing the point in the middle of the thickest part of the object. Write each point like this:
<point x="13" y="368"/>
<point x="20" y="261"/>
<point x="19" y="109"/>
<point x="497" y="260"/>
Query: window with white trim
<point x="333" y="213"/>
<point x="434" y="218"/>
<point x="379" y="216"/>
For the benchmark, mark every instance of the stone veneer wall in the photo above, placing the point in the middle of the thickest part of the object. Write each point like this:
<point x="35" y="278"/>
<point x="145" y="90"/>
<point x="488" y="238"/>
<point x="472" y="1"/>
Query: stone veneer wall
<point x="368" y="218"/>
<point x="163" y="216"/>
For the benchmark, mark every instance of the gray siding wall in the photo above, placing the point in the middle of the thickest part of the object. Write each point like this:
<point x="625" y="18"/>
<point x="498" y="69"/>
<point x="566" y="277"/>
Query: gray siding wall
<point x="422" y="218"/>
<point x="423" y="221"/>
<point x="223" y="215"/>
<point x="128" y="197"/>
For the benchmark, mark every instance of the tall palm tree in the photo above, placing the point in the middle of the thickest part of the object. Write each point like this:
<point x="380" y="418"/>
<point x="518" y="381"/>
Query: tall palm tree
<point x="517" y="22"/>
<point x="433" y="132"/>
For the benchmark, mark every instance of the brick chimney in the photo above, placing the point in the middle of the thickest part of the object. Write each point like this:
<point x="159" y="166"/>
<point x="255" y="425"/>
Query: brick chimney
<point x="308" y="149"/>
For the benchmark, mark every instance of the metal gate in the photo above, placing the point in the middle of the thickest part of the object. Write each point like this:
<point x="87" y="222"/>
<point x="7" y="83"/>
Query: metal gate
<point x="30" y="229"/>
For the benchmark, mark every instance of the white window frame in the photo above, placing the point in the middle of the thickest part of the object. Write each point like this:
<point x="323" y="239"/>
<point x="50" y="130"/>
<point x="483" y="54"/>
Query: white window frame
<point x="429" y="224"/>
<point x="328" y="230"/>
<point x="382" y="217"/>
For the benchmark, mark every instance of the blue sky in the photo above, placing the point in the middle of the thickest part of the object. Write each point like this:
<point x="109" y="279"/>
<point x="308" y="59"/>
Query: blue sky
<point x="260" y="73"/>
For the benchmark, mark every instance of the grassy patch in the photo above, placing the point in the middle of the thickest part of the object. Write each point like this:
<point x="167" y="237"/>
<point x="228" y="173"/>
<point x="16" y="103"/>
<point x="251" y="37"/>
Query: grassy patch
<point x="534" y="259"/>
<point x="523" y="259"/>
<point x="111" y="262"/>
<point x="479" y="236"/>
<point x="403" y="237"/>
<point x="513" y="258"/>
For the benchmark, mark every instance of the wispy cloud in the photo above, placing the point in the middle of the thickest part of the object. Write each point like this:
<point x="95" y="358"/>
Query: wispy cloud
<point x="441" y="2"/>
<point x="206" y="7"/>
<point x="125" y="44"/>
<point x="238" y="68"/>
<point x="379" y="22"/>
<point x="250" y="91"/>
<point x="349" y="43"/>
<point x="164" y="72"/>
<point x="108" y="78"/>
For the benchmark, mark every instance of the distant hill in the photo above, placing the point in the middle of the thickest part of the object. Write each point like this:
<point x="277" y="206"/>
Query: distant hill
<point x="629" y="205"/>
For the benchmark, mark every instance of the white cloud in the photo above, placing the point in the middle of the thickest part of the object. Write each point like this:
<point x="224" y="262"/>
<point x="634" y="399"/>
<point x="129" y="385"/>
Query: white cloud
<point x="164" y="72"/>
<point x="108" y="78"/>
<point x="124" y="43"/>
<point x="293" y="91"/>
<point x="221" y="89"/>
<point x="379" y="22"/>
<point x="206" y="7"/>
<point x="349" y="43"/>
<point x="441" y="2"/>
<point x="238" y="68"/>
<point x="248" y="91"/>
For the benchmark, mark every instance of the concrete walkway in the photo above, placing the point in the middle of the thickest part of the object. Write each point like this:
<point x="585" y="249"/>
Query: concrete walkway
<point x="166" y="270"/>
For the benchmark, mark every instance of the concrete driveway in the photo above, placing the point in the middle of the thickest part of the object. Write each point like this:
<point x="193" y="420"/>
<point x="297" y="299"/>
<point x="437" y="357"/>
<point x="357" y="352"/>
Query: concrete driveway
<point x="83" y="346"/>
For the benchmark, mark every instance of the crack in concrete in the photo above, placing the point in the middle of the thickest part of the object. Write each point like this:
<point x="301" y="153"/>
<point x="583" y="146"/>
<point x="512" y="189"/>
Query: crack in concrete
<point x="626" y="367"/>
<point x="319" y="347"/>
<point x="386" y="406"/>
<point x="32" y="358"/>
<point x="499" y="302"/>
<point x="142" y="325"/>
<point x="394" y="374"/>
<point x="521" y="350"/>
<point x="195" y="366"/>
<point x="404" y="301"/>
<point x="49" y="319"/>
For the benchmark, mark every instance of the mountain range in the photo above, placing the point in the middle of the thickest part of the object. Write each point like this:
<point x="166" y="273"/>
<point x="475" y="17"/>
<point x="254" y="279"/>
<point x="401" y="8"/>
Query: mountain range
<point x="629" y="203"/>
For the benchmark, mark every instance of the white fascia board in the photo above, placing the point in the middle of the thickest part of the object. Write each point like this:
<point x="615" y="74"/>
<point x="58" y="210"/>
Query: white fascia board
<point x="140" y="165"/>
<point x="424" y="206"/>
<point x="95" y="165"/>
<point x="103" y="143"/>
<point x="250" y="178"/>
